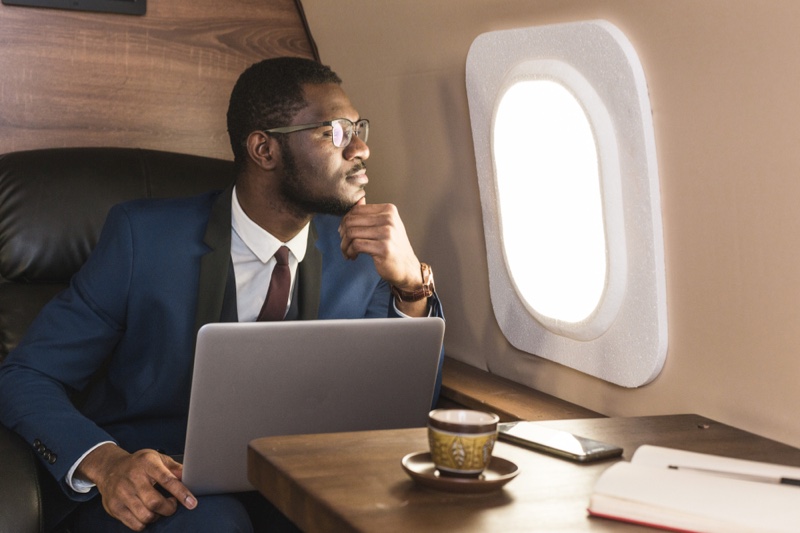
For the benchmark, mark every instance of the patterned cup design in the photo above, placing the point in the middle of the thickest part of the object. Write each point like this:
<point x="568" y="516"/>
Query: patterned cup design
<point x="461" y="441"/>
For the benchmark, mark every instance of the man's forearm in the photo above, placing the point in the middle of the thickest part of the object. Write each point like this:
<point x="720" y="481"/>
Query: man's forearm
<point x="97" y="462"/>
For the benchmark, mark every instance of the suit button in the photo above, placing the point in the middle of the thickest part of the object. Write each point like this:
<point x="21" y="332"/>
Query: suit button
<point x="52" y="458"/>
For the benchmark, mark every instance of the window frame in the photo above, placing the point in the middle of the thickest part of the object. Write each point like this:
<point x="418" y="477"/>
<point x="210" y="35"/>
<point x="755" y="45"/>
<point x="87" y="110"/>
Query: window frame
<point x="625" y="340"/>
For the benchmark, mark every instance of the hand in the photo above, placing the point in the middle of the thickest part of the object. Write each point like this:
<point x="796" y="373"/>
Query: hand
<point x="377" y="230"/>
<point x="127" y="484"/>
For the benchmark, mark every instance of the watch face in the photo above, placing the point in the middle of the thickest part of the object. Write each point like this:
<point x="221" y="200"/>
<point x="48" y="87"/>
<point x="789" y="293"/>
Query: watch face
<point x="427" y="279"/>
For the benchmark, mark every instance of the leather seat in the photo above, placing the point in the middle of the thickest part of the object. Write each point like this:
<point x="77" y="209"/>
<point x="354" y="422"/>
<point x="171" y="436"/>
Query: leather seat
<point x="53" y="203"/>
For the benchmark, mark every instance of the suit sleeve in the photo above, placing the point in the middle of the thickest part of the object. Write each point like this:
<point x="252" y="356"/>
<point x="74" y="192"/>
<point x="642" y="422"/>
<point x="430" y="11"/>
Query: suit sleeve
<point x="64" y="347"/>
<point x="434" y="309"/>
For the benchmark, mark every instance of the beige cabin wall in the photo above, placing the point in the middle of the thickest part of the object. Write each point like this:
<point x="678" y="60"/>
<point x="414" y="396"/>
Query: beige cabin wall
<point x="723" y="78"/>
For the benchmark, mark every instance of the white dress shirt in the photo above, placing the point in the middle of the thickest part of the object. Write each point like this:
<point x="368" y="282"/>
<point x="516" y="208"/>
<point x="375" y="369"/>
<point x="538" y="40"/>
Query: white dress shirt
<point x="253" y="253"/>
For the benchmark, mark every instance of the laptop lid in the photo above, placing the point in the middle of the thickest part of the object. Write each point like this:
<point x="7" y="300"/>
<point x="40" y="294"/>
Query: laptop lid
<point x="262" y="379"/>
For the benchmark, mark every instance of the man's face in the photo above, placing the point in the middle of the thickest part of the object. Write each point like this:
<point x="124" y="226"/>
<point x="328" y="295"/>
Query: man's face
<point x="317" y="176"/>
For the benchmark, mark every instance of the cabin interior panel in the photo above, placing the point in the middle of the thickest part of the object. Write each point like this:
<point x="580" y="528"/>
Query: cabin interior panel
<point x="159" y="81"/>
<point x="722" y="77"/>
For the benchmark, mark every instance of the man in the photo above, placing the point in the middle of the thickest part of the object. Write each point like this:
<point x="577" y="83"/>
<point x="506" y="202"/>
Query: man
<point x="163" y="268"/>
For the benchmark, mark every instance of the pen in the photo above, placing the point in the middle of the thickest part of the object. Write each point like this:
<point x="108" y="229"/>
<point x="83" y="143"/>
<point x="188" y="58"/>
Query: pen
<point x="740" y="475"/>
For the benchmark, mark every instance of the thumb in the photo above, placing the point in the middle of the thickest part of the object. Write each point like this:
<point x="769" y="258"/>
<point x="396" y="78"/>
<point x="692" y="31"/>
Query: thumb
<point x="362" y="201"/>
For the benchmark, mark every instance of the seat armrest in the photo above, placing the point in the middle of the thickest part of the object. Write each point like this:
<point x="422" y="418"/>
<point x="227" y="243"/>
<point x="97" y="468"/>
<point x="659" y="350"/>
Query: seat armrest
<point x="20" y="493"/>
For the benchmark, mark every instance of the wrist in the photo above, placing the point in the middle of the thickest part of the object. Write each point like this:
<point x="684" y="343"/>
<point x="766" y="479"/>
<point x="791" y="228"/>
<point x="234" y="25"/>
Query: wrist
<point x="420" y="308"/>
<point x="97" y="461"/>
<point x="423" y="291"/>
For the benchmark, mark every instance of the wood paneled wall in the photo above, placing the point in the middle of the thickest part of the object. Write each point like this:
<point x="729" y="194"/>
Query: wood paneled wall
<point x="158" y="81"/>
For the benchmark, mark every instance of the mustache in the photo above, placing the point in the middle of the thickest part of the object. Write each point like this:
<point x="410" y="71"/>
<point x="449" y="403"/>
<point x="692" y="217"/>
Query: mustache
<point x="356" y="169"/>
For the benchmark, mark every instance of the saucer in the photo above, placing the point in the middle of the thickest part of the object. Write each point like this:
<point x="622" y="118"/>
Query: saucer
<point x="422" y="470"/>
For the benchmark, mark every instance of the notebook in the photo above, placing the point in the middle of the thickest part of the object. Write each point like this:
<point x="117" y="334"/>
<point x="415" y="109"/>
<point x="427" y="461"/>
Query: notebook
<point x="262" y="379"/>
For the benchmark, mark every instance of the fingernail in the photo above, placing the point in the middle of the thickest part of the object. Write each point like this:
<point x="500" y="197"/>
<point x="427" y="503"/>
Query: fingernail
<point x="190" y="502"/>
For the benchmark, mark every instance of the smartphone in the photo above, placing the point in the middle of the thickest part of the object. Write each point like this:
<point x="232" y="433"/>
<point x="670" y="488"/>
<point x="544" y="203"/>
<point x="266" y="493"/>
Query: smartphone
<point x="556" y="442"/>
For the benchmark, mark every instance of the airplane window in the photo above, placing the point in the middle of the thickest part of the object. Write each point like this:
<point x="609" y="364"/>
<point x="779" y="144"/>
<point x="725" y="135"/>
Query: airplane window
<point x="547" y="177"/>
<point x="565" y="153"/>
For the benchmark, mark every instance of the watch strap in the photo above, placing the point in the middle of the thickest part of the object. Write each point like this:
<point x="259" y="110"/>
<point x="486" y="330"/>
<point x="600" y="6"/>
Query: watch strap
<point x="426" y="291"/>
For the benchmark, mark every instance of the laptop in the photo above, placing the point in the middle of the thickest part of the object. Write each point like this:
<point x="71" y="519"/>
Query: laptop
<point x="262" y="379"/>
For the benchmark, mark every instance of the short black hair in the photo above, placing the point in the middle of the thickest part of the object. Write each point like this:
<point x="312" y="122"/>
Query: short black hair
<point x="268" y="94"/>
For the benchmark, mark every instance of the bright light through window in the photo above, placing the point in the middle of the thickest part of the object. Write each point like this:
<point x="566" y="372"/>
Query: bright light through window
<point x="550" y="201"/>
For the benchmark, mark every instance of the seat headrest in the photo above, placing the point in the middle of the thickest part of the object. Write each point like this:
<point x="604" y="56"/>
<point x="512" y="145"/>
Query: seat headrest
<point x="53" y="202"/>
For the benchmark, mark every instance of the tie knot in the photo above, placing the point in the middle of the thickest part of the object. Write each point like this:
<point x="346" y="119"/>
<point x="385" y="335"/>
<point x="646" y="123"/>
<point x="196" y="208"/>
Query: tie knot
<point x="282" y="255"/>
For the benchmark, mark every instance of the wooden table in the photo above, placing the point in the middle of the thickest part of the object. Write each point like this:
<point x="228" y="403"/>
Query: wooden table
<point x="354" y="482"/>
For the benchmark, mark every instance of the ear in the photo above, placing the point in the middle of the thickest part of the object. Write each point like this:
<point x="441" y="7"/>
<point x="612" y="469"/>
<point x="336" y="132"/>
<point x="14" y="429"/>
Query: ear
<point x="263" y="150"/>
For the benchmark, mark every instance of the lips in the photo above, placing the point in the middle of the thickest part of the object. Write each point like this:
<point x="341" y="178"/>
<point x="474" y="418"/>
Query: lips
<point x="358" y="175"/>
<point x="359" y="178"/>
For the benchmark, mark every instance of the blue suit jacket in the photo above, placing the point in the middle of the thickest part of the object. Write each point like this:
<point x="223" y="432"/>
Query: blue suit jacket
<point x="159" y="271"/>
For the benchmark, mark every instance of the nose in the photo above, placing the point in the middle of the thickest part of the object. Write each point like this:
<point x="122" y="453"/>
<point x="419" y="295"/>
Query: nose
<point x="356" y="149"/>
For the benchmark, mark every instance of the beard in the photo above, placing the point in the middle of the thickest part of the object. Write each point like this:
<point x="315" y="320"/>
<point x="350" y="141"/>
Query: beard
<point x="294" y="191"/>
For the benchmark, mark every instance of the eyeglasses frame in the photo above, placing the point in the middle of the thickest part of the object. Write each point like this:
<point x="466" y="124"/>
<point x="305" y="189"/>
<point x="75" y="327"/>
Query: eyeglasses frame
<point x="303" y="127"/>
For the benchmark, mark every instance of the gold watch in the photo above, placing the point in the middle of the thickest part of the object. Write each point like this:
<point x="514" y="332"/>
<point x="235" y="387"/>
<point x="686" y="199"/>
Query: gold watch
<point x="425" y="292"/>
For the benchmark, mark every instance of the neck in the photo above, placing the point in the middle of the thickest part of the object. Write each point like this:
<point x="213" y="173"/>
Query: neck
<point x="265" y="206"/>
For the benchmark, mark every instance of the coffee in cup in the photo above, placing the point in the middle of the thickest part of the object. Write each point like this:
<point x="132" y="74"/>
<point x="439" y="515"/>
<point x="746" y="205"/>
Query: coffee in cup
<point x="461" y="440"/>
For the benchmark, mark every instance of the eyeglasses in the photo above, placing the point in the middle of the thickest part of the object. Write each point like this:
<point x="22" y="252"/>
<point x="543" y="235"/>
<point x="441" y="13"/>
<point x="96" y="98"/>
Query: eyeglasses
<point x="342" y="130"/>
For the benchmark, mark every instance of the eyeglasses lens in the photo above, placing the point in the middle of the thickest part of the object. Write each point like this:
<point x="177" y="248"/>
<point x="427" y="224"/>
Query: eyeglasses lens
<point x="339" y="134"/>
<point x="343" y="131"/>
<point x="362" y="129"/>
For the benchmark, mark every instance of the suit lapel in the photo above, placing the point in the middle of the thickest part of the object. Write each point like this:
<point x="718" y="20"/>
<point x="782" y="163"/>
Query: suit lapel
<point x="310" y="278"/>
<point x="214" y="265"/>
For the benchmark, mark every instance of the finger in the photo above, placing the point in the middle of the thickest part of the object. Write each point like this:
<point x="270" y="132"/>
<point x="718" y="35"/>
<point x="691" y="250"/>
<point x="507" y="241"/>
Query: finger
<point x="162" y="489"/>
<point x="173" y="466"/>
<point x="377" y="249"/>
<point x="157" y="502"/>
<point x="369" y="219"/>
<point x="363" y="214"/>
<point x="362" y="207"/>
<point x="347" y="249"/>
<point x="170" y="481"/>
<point x="369" y="243"/>
<point x="370" y="232"/>
<point x="373" y="240"/>
<point x="131" y="522"/>
<point x="126" y="516"/>
<point x="128" y="506"/>
<point x="182" y="494"/>
<point x="362" y="201"/>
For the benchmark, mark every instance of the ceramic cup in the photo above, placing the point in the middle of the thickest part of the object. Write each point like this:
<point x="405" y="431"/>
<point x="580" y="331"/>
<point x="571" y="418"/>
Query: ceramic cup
<point x="461" y="440"/>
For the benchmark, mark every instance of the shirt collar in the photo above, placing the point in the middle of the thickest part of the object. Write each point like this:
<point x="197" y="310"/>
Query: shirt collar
<point x="262" y="243"/>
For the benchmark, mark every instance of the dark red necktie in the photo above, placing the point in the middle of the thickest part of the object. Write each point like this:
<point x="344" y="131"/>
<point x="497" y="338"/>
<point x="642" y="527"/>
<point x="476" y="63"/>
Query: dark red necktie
<point x="274" y="307"/>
